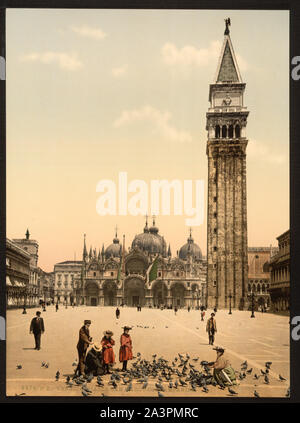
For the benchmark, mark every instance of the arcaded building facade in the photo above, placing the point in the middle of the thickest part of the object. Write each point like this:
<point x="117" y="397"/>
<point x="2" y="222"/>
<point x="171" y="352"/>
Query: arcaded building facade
<point x="146" y="275"/>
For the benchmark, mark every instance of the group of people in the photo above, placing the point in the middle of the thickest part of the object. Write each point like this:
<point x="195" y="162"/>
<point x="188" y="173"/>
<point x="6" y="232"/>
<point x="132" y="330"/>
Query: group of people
<point x="101" y="355"/>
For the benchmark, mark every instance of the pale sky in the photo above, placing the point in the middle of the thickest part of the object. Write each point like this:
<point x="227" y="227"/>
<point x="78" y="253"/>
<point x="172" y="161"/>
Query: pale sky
<point x="91" y="93"/>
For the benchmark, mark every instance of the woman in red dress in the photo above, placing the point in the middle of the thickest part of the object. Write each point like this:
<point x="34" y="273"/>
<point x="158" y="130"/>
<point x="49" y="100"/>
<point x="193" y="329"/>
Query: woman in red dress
<point x="107" y="350"/>
<point x="125" y="348"/>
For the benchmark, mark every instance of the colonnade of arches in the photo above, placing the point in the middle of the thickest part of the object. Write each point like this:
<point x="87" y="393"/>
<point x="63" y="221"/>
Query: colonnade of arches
<point x="227" y="131"/>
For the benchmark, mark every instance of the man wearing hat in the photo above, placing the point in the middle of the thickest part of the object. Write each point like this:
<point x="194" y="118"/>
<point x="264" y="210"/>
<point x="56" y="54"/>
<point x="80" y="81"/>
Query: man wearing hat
<point x="211" y="329"/>
<point x="125" y="352"/>
<point x="37" y="328"/>
<point x="107" y="349"/>
<point x="84" y="341"/>
<point x="93" y="361"/>
<point x="224" y="374"/>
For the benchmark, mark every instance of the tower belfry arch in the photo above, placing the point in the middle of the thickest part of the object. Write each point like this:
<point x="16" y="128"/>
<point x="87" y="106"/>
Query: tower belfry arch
<point x="227" y="206"/>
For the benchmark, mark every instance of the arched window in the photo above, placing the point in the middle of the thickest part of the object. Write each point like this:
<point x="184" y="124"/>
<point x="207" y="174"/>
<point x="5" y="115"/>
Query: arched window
<point x="237" y="131"/>
<point x="224" y="131"/>
<point x="230" y="131"/>
<point x="217" y="131"/>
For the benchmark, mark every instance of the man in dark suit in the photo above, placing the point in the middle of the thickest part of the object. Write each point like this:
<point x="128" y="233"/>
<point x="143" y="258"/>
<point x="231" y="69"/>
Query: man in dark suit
<point x="37" y="328"/>
<point x="83" y="343"/>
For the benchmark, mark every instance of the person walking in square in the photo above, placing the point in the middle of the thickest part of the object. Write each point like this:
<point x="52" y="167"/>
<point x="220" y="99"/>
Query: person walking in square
<point x="117" y="313"/>
<point x="202" y="315"/>
<point x="108" y="354"/>
<point x="84" y="341"/>
<point x="211" y="329"/>
<point x="125" y="352"/>
<point x="37" y="328"/>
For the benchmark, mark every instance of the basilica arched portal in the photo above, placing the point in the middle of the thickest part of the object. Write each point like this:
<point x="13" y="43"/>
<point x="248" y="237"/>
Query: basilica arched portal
<point x="134" y="292"/>
<point x="110" y="293"/>
<point x="178" y="292"/>
<point x="92" y="293"/>
<point x="159" y="292"/>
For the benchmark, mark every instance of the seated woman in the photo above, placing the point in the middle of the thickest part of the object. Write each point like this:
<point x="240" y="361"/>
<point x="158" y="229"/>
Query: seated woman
<point x="223" y="374"/>
<point x="94" y="362"/>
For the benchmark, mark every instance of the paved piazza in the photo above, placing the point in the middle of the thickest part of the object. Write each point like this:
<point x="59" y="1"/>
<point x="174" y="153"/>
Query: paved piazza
<point x="264" y="338"/>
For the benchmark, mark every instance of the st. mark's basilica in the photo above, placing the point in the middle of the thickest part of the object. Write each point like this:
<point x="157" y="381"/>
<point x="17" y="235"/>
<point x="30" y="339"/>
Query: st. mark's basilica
<point x="146" y="275"/>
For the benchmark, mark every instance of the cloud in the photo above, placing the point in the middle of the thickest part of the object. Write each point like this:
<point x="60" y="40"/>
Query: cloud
<point x="159" y="120"/>
<point x="260" y="151"/>
<point x="63" y="60"/>
<point x="87" y="31"/>
<point x="120" y="71"/>
<point x="190" y="55"/>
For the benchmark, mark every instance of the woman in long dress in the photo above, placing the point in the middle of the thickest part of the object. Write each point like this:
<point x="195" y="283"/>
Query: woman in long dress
<point x="107" y="350"/>
<point x="125" y="352"/>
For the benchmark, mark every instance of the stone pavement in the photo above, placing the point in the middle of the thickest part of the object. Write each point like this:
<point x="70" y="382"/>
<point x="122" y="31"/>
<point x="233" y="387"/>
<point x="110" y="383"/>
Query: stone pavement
<point x="264" y="338"/>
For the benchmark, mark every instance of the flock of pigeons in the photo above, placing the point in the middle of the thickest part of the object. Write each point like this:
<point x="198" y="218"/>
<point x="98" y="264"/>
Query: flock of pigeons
<point x="162" y="375"/>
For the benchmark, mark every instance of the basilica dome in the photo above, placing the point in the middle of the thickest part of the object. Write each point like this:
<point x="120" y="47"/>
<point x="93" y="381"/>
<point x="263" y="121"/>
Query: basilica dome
<point x="190" y="248"/>
<point x="150" y="241"/>
<point x="114" y="249"/>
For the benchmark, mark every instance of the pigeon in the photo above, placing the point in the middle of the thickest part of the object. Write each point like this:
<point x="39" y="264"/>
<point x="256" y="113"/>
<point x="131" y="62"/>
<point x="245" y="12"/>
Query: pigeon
<point x="85" y="388"/>
<point x="19" y="395"/>
<point x="129" y="387"/>
<point x="68" y="379"/>
<point x="145" y="385"/>
<point x="249" y="371"/>
<point x="160" y="394"/>
<point x="256" y="394"/>
<point x="85" y="393"/>
<point x="281" y="378"/>
<point x="47" y="365"/>
<point x="57" y="375"/>
<point x="182" y="382"/>
<point x="43" y="364"/>
<point x="267" y="379"/>
<point x="268" y="363"/>
<point x="19" y="366"/>
<point x="170" y="385"/>
<point x="75" y="363"/>
<point x="255" y="376"/>
<point x="159" y="387"/>
<point x="231" y="391"/>
<point x="205" y="389"/>
<point x="288" y="392"/>
<point x="90" y="377"/>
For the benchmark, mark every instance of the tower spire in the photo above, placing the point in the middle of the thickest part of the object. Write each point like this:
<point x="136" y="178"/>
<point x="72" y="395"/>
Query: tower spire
<point x="227" y="69"/>
<point x="84" y="254"/>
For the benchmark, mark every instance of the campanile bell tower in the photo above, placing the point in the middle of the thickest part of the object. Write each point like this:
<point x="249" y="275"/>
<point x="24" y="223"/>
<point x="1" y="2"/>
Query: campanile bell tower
<point x="227" y="259"/>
